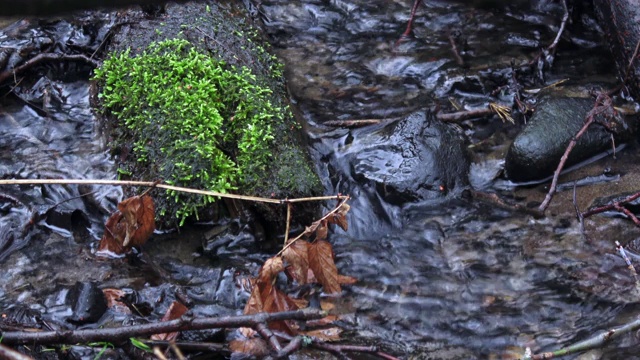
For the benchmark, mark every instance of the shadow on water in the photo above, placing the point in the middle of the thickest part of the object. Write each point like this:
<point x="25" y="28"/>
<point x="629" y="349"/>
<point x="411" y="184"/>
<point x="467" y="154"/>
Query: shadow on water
<point x="446" y="278"/>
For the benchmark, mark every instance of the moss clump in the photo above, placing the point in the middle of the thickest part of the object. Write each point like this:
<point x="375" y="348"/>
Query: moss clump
<point x="196" y="120"/>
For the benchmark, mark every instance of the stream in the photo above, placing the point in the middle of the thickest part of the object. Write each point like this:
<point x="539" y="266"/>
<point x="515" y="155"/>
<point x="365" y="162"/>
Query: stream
<point x="458" y="278"/>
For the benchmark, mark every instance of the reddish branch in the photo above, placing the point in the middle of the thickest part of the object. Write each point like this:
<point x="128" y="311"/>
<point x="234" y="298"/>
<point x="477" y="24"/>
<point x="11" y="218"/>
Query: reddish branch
<point x="603" y="103"/>
<point x="125" y="332"/>
<point x="10" y="354"/>
<point x="617" y="206"/>
<point x="407" y="32"/>
<point x="464" y="115"/>
<point x="46" y="57"/>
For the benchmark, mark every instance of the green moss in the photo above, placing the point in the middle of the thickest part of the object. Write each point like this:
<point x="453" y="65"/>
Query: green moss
<point x="196" y="120"/>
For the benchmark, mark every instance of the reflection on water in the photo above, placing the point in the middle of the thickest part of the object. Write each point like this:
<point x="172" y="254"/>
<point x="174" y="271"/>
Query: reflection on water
<point x="459" y="280"/>
<point x="463" y="279"/>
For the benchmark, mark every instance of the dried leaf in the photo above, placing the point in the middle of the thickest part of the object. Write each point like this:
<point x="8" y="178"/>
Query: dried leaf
<point x="139" y="215"/>
<point x="346" y="280"/>
<point x="340" y="217"/>
<point x="254" y="346"/>
<point x="254" y="304"/>
<point x="323" y="266"/>
<point x="298" y="258"/>
<point x="247" y="332"/>
<point x="311" y="229"/>
<point x="328" y="334"/>
<point x="113" y="300"/>
<point x="277" y="301"/>
<point x="114" y="234"/>
<point x="270" y="270"/>
<point x="175" y="311"/>
<point x="322" y="231"/>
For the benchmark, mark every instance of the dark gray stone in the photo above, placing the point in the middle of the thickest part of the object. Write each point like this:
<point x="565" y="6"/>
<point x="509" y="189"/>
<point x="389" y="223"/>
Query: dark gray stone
<point x="417" y="158"/>
<point x="537" y="150"/>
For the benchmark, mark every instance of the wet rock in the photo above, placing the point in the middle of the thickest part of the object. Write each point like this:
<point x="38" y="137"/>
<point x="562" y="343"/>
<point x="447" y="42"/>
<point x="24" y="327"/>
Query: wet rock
<point x="536" y="151"/>
<point x="417" y="158"/>
<point x="226" y="34"/>
<point x="88" y="303"/>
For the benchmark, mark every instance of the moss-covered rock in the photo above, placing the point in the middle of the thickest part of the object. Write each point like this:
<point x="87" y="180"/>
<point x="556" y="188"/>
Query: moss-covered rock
<point x="197" y="100"/>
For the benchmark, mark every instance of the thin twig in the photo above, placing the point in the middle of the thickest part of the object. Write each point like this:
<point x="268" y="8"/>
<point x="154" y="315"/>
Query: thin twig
<point x="166" y="187"/>
<point x="464" y="115"/>
<point x="592" y="343"/>
<point x="352" y="123"/>
<point x="44" y="57"/>
<point x="286" y="231"/>
<point x="454" y="49"/>
<point x="268" y="335"/>
<point x="10" y="354"/>
<point x="563" y="24"/>
<point x="615" y="205"/>
<point x="407" y="32"/>
<point x="601" y="101"/>
<point x="344" y="200"/>
<point x="125" y="332"/>
<point x="633" y="58"/>
<point x="630" y="266"/>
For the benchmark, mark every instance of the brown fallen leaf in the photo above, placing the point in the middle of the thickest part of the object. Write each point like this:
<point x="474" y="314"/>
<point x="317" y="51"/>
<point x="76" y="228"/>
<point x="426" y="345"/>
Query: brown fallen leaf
<point x="175" y="311"/>
<point x="131" y="225"/>
<point x="254" y="304"/>
<point x="322" y="231"/>
<point x="328" y="334"/>
<point x="277" y="301"/>
<point x="340" y="217"/>
<point x="114" y="234"/>
<point x="323" y="266"/>
<point x="298" y="258"/>
<point x="346" y="280"/>
<point x="139" y="215"/>
<point x="256" y="347"/>
<point x="270" y="270"/>
<point x="113" y="300"/>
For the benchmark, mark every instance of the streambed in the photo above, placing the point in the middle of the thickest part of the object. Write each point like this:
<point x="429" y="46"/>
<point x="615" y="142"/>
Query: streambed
<point x="459" y="280"/>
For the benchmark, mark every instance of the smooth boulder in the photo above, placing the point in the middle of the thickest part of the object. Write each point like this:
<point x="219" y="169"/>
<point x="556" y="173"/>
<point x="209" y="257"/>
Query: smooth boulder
<point x="536" y="152"/>
<point x="414" y="159"/>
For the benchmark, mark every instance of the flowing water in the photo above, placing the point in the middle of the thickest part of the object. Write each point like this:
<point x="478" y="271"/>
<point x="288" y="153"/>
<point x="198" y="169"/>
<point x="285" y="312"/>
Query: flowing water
<point x="461" y="279"/>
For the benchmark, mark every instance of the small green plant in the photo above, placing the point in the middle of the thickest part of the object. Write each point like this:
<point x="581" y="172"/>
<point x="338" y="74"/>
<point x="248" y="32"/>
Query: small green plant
<point x="140" y="345"/>
<point x="197" y="120"/>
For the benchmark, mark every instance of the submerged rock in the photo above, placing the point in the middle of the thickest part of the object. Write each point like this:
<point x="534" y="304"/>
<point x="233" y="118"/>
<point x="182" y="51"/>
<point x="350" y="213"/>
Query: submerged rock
<point x="417" y="158"/>
<point x="536" y="151"/>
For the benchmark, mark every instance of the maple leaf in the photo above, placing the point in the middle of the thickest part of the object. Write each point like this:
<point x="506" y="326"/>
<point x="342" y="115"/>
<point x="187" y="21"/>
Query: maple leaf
<point x="323" y="266"/>
<point x="298" y="258"/>
<point x="139" y="215"/>
<point x="175" y="311"/>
